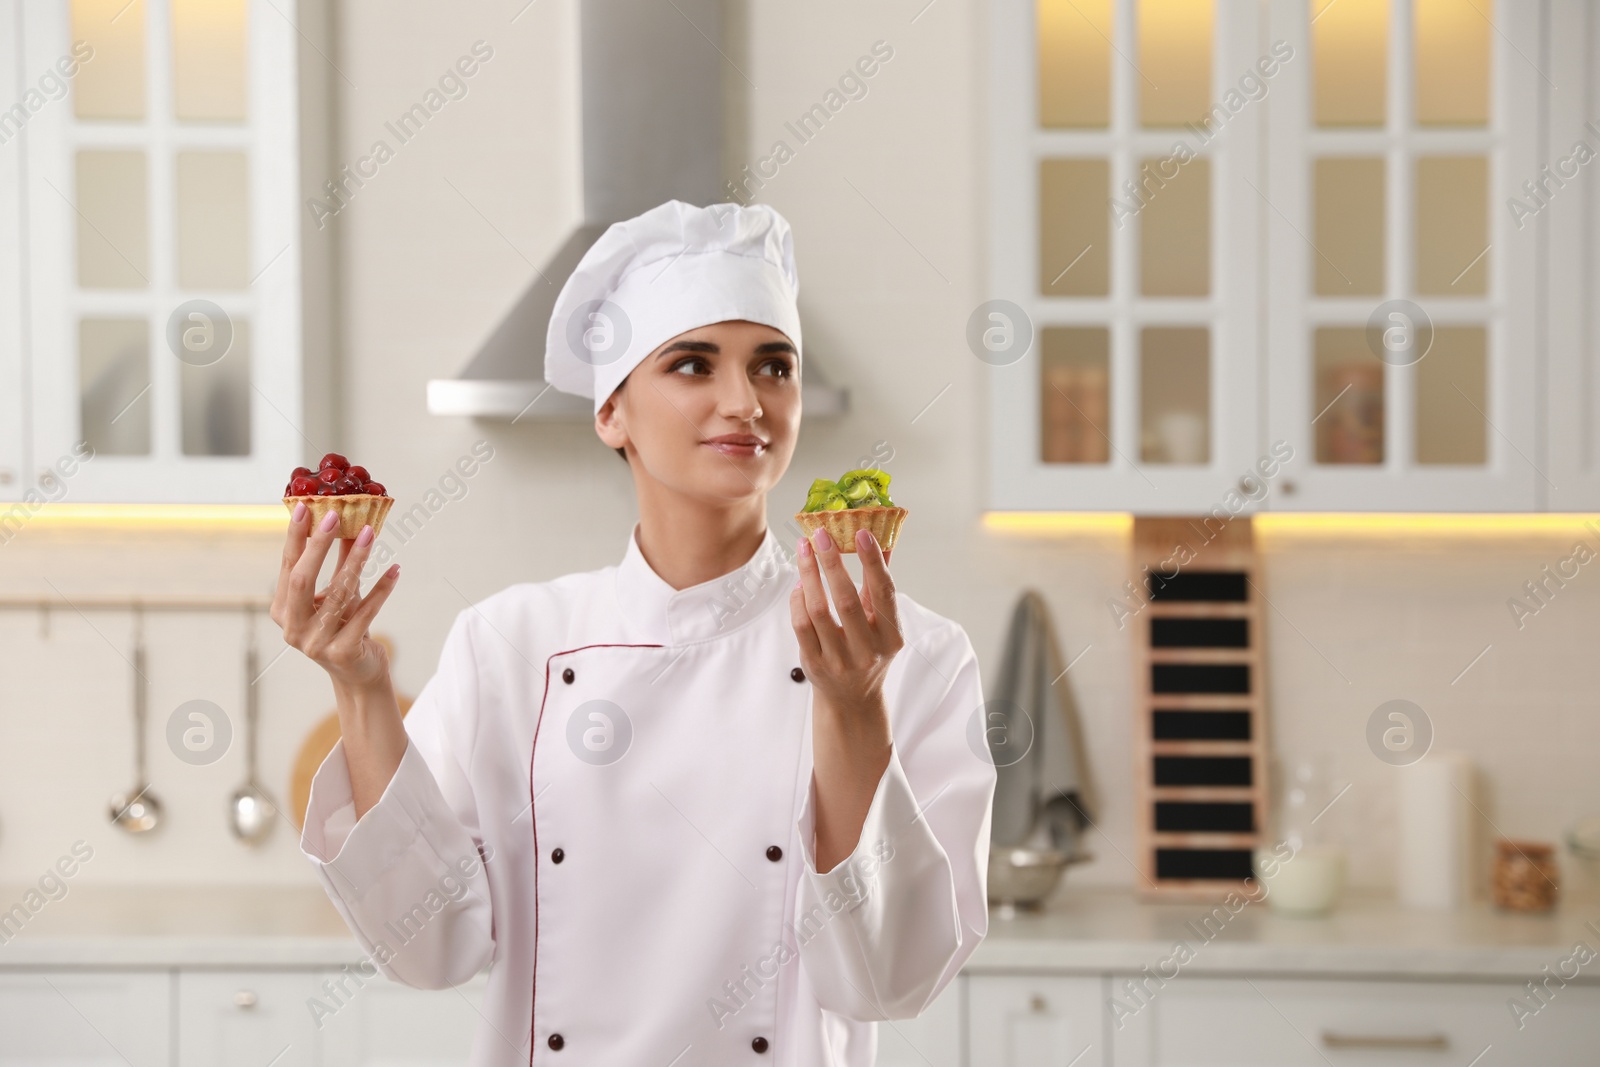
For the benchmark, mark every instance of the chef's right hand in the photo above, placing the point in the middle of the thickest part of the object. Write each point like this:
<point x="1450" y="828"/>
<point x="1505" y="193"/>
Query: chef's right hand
<point x="330" y="627"/>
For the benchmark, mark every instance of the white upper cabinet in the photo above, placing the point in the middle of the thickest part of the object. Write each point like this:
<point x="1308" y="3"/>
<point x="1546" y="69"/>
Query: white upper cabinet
<point x="162" y="272"/>
<point x="1402" y="340"/>
<point x="1125" y="230"/>
<point x="1270" y="256"/>
<point x="1556" y="203"/>
<point x="12" y="456"/>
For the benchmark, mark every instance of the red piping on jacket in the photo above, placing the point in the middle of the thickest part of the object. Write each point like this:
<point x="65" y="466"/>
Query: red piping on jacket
<point x="533" y="817"/>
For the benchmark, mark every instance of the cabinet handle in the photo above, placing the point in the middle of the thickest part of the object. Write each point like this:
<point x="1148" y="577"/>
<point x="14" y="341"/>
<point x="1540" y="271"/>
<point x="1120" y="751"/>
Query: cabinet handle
<point x="245" y="998"/>
<point x="1411" y="1042"/>
<point x="1289" y="487"/>
<point x="1037" y="1004"/>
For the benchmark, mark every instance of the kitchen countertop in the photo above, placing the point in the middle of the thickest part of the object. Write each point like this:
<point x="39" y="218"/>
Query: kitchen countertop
<point x="182" y="925"/>
<point x="1088" y="931"/>
<point x="1082" y="931"/>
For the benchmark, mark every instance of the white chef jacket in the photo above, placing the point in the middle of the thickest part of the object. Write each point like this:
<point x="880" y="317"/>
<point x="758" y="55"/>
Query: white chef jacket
<point x="607" y="794"/>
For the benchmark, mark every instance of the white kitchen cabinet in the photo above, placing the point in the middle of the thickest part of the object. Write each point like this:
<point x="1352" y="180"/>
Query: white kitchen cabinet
<point x="386" y="1023"/>
<point x="1401" y="350"/>
<point x="1223" y="232"/>
<point x="248" y="1018"/>
<point x="1564" y="212"/>
<point x="932" y="1039"/>
<point x="1026" y="1021"/>
<point x="12" y="459"/>
<point x="160" y="291"/>
<point x="1122" y="363"/>
<point x="322" y="1017"/>
<point x="1279" y="1022"/>
<point x="86" y="1019"/>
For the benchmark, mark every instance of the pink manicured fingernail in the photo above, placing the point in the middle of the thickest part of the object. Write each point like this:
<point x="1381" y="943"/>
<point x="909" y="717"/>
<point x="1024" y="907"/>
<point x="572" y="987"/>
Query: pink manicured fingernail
<point x="394" y="571"/>
<point x="364" y="538"/>
<point x="805" y="548"/>
<point x="824" y="542"/>
<point x="299" y="512"/>
<point x="330" y="520"/>
<point x="863" y="539"/>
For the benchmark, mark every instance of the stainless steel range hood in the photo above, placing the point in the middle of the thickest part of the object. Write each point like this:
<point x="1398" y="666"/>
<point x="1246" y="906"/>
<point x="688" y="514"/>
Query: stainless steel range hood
<point x="652" y="84"/>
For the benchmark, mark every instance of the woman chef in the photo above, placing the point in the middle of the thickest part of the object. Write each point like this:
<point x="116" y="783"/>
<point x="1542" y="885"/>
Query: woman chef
<point x="691" y="815"/>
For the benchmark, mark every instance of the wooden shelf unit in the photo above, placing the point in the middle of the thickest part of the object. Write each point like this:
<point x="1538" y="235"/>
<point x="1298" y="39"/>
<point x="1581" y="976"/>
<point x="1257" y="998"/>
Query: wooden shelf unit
<point x="1200" y="725"/>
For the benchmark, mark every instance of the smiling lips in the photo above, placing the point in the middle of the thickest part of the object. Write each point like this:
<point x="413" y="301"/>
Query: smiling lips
<point x="737" y="444"/>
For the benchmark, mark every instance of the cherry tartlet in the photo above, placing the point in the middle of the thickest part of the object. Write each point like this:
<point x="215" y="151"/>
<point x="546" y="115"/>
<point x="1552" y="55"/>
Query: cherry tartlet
<point x="337" y="485"/>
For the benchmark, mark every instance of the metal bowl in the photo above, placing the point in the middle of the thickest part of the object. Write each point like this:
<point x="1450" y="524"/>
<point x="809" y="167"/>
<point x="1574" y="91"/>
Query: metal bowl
<point x="1021" y="878"/>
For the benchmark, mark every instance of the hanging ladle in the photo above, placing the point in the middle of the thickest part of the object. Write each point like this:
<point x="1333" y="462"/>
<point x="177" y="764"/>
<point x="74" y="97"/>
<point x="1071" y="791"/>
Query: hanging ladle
<point x="251" y="812"/>
<point x="138" y="810"/>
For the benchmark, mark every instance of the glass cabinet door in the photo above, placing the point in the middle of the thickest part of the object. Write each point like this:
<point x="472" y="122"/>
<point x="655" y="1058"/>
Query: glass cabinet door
<point x="1124" y="241"/>
<point x="164" y="253"/>
<point x="1401" y="354"/>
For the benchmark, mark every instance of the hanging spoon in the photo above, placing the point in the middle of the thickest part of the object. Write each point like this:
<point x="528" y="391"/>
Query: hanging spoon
<point x="138" y="810"/>
<point x="251" y="812"/>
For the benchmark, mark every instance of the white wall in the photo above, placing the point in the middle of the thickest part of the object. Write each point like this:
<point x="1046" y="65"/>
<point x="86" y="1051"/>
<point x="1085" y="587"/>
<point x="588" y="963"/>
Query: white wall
<point x="888" y="215"/>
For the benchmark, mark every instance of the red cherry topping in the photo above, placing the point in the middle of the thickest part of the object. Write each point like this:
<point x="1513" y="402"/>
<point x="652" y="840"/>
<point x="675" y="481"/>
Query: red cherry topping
<point x="334" y="476"/>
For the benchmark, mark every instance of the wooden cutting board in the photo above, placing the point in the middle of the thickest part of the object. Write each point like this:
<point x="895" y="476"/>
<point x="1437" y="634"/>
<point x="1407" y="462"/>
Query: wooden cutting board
<point x="318" y="743"/>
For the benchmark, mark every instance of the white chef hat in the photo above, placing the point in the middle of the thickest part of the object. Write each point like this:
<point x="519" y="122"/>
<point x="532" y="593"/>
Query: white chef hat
<point x="672" y="269"/>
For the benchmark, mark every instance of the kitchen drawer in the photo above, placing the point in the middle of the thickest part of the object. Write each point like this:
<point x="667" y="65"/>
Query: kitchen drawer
<point x="1028" y="1021"/>
<point x="1235" y="1022"/>
<point x="248" y="1018"/>
<point x="87" y="1019"/>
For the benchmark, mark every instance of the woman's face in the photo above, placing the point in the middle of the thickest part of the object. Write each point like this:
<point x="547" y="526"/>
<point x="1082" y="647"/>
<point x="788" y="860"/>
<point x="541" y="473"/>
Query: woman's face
<point x="710" y="414"/>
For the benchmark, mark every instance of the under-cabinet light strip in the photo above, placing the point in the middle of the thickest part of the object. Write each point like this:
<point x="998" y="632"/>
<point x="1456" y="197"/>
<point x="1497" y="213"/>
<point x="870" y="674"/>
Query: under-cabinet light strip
<point x="1385" y="524"/>
<point x="270" y="517"/>
<point x="249" y="517"/>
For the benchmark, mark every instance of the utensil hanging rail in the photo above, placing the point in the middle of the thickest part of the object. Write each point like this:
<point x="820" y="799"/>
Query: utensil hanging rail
<point x="49" y="606"/>
<point x="130" y="603"/>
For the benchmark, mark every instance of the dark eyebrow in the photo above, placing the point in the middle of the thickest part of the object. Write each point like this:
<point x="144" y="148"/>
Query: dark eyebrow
<point x="713" y="348"/>
<point x="688" y="346"/>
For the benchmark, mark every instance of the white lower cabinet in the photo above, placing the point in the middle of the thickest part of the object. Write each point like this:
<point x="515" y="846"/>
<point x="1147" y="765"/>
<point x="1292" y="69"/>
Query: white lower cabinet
<point x="384" y="1023"/>
<point x="932" y="1039"/>
<point x="1243" y="1022"/>
<point x="247" y="1018"/>
<point x="321" y="1019"/>
<point x="233" y="1018"/>
<point x="85" y="1019"/>
<point x="1016" y="1021"/>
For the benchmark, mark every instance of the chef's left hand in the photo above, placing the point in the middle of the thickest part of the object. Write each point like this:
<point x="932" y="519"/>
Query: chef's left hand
<point x="846" y="660"/>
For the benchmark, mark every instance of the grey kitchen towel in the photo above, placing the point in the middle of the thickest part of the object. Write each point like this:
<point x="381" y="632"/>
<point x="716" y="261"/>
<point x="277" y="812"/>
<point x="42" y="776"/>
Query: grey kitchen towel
<point x="1042" y="793"/>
